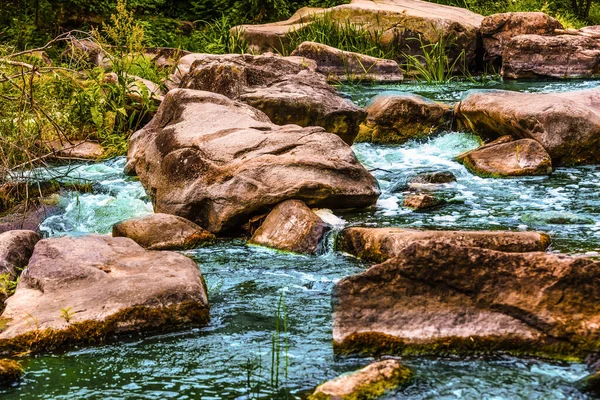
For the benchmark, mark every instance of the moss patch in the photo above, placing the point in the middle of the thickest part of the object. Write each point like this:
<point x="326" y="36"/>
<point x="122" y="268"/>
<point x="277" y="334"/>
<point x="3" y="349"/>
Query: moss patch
<point x="10" y="372"/>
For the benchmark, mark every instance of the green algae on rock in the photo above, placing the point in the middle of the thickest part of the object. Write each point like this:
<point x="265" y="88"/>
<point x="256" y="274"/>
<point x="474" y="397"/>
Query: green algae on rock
<point x="10" y="372"/>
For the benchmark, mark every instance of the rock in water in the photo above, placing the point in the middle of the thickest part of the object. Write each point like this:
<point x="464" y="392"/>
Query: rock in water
<point x="16" y="248"/>
<point x="370" y="382"/>
<point x="380" y="244"/>
<point x="291" y="226"/>
<point x="499" y="29"/>
<point x="422" y="201"/>
<point x="162" y="232"/>
<point x="399" y="118"/>
<point x="518" y="158"/>
<point x="284" y="89"/>
<point x="590" y="384"/>
<point x="86" y="289"/>
<point x="341" y="65"/>
<point x="555" y="218"/>
<point x="566" y="124"/>
<point x="10" y="372"/>
<point x="218" y="162"/>
<point x="441" y="299"/>
<point x="563" y="56"/>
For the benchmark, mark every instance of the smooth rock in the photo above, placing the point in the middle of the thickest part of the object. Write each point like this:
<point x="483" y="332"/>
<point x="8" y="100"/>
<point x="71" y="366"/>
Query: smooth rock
<point x="380" y="244"/>
<point x="563" y="56"/>
<point x="566" y="124"/>
<point x="162" y="232"/>
<point x="399" y="23"/>
<point x="499" y="29"/>
<point x="370" y="382"/>
<point x="83" y="290"/>
<point x="219" y="162"/>
<point x="339" y="65"/>
<point x="288" y="92"/>
<point x="422" y="201"/>
<point x="291" y="226"/>
<point x="10" y="372"/>
<point x="395" y="119"/>
<point x="441" y="299"/>
<point x="518" y="158"/>
<point x="83" y="149"/>
<point x="16" y="248"/>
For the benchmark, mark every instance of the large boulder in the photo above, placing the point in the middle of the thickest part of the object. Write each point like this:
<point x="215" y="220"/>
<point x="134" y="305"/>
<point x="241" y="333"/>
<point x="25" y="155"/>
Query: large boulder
<point x="340" y="65"/>
<point x="86" y="289"/>
<point x="380" y="244"/>
<point x="562" y="56"/>
<point x="287" y="91"/>
<point x="395" y="119"/>
<point x="291" y="226"/>
<point x="162" y="232"/>
<point x="16" y="248"/>
<point x="566" y="124"/>
<point x="440" y="299"/>
<point x="515" y="158"/>
<point x="499" y="29"/>
<point x="219" y="162"/>
<point x="397" y="23"/>
<point x="370" y="382"/>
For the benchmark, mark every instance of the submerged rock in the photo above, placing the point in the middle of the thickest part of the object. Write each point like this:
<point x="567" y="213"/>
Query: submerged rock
<point x="370" y="382"/>
<point x="590" y="384"/>
<point x="219" y="162"/>
<point x="291" y="226"/>
<point x="380" y="244"/>
<point x="162" y="232"/>
<point x="441" y="299"/>
<point x="10" y="372"/>
<point x="566" y="124"/>
<point x="517" y="158"/>
<point x="499" y="29"/>
<point x="287" y="91"/>
<point x="398" y="22"/>
<point x="399" y="118"/>
<point x="422" y="201"/>
<point x="87" y="289"/>
<point x="339" y="65"/>
<point x="563" y="56"/>
<point x="555" y="218"/>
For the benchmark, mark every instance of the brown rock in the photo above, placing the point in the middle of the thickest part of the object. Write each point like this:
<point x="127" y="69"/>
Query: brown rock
<point x="422" y="201"/>
<point x="82" y="149"/>
<point x="288" y="92"/>
<point x="138" y="89"/>
<point x="219" y="162"/>
<point x="370" y="382"/>
<point x="499" y="29"/>
<point x="291" y="226"/>
<point x="399" y="118"/>
<point x="563" y="56"/>
<point x="16" y="248"/>
<point x="87" y="51"/>
<point x="10" y="372"/>
<point x="440" y="299"/>
<point x="341" y="65"/>
<point x="162" y="232"/>
<point x="380" y="244"/>
<point x="566" y="124"/>
<point x="518" y="158"/>
<point x="590" y="384"/>
<point x="433" y="178"/>
<point x="28" y="216"/>
<point x="86" y="289"/>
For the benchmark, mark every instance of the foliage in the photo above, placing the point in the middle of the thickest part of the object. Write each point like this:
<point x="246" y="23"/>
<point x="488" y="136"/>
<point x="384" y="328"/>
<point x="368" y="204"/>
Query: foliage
<point x="8" y="285"/>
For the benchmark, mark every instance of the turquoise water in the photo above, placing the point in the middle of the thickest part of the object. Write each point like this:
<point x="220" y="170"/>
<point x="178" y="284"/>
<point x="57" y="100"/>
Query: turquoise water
<point x="232" y="357"/>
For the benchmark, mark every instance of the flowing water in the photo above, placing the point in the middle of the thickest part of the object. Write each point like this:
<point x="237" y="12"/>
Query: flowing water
<point x="253" y="289"/>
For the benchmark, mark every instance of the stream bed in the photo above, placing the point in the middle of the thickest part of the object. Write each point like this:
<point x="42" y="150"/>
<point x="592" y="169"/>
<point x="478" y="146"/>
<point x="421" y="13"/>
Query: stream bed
<point x="242" y="353"/>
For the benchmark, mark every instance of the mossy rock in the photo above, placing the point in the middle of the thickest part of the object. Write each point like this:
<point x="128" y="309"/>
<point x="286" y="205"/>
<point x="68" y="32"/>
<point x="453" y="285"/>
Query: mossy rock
<point x="10" y="372"/>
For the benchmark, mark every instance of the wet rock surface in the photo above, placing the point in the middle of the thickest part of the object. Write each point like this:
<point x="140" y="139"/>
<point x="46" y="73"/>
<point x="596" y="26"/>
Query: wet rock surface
<point x="16" y="247"/>
<point x="422" y="201"/>
<point x="380" y="244"/>
<point x="291" y="226"/>
<point x="163" y="232"/>
<point x="218" y="163"/>
<point x="86" y="289"/>
<point x="438" y="298"/>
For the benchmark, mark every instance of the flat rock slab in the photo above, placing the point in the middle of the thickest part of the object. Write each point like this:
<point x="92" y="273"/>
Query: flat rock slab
<point x="288" y="91"/>
<point x="339" y="65"/>
<point x="86" y="289"/>
<point x="162" y="232"/>
<point x="370" y="382"/>
<point x="515" y="158"/>
<point x="291" y="226"/>
<point x="562" y="56"/>
<point x="218" y="163"/>
<point x="441" y="299"/>
<point x="380" y="244"/>
<point x="566" y="124"/>
<point x="499" y="29"/>
<point x="395" y="119"/>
